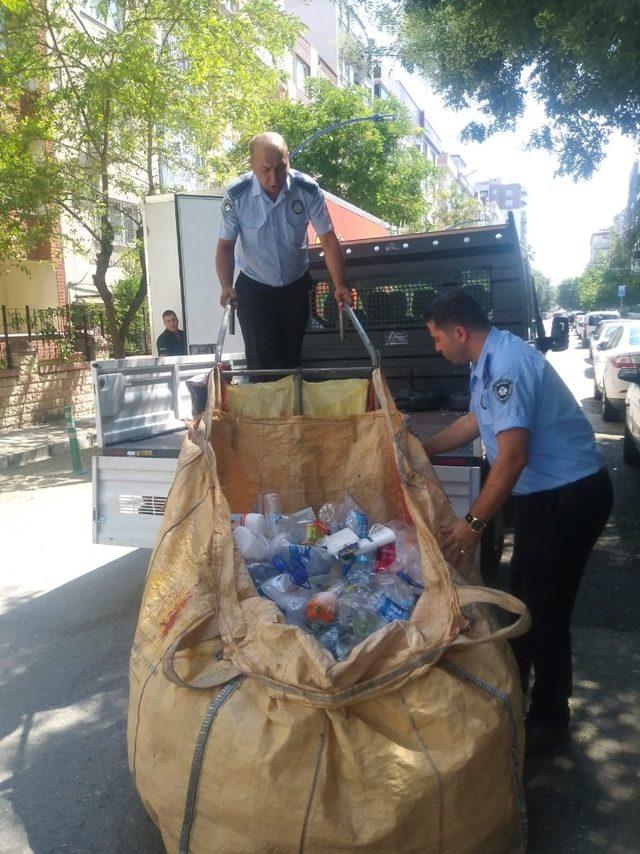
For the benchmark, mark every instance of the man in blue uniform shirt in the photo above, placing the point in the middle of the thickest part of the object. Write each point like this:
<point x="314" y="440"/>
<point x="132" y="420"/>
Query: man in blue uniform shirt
<point x="542" y="452"/>
<point x="265" y="214"/>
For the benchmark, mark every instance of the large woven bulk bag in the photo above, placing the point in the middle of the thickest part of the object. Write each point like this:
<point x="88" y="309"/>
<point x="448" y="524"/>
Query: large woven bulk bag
<point x="247" y="737"/>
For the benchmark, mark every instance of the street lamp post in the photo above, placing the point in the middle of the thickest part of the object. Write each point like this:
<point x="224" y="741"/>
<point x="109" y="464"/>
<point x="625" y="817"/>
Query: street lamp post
<point x="376" y="117"/>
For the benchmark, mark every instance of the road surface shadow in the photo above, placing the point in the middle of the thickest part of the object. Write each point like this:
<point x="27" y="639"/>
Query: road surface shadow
<point x="46" y="473"/>
<point x="65" y="657"/>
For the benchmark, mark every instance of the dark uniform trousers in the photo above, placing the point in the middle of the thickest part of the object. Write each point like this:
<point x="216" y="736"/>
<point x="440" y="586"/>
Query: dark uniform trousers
<point x="273" y="321"/>
<point x="555" y="531"/>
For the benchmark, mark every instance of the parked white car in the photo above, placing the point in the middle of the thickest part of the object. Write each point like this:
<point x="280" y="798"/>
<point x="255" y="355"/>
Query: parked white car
<point x="603" y="332"/>
<point x="622" y="350"/>
<point x="631" y="442"/>
<point x="591" y="320"/>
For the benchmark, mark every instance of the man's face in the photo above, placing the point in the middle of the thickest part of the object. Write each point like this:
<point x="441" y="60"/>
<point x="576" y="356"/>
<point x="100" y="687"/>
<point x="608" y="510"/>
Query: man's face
<point x="451" y="342"/>
<point x="171" y="322"/>
<point x="270" y="167"/>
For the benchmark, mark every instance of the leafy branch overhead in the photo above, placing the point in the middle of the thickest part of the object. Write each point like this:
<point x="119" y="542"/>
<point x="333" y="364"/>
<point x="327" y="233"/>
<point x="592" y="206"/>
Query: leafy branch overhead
<point x="578" y="58"/>
<point x="367" y="164"/>
<point x="123" y="102"/>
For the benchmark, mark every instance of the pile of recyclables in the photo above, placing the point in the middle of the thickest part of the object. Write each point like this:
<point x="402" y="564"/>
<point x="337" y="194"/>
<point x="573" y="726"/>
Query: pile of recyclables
<point x="334" y="573"/>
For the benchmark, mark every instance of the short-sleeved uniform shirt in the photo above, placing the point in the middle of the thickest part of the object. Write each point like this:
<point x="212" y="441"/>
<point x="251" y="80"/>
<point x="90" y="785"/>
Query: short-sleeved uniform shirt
<point x="271" y="245"/>
<point x="513" y="385"/>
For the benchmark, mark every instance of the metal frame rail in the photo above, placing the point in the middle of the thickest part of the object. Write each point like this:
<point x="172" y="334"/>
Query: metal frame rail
<point x="228" y="324"/>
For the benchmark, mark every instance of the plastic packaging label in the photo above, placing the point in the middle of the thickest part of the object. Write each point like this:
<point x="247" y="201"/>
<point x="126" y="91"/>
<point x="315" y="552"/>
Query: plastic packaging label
<point x="390" y="610"/>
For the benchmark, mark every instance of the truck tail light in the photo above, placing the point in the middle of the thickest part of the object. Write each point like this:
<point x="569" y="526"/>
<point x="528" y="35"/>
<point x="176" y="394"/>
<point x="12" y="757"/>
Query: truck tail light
<point x="626" y="360"/>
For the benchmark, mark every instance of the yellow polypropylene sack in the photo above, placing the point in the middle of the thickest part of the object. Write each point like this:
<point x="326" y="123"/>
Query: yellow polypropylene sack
<point x="328" y="399"/>
<point x="245" y="735"/>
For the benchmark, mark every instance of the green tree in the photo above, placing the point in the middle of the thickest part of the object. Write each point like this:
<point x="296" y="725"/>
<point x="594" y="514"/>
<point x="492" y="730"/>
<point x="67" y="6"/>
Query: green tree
<point x="454" y="209"/>
<point x="544" y="290"/>
<point x="160" y="83"/>
<point x="568" y="294"/>
<point x="367" y="164"/>
<point x="579" y="58"/>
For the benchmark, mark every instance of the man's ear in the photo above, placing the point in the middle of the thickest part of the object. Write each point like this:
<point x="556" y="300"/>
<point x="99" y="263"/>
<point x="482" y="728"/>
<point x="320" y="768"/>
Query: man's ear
<point x="461" y="334"/>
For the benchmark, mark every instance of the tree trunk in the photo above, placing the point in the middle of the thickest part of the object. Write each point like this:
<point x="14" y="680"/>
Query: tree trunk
<point x="142" y="287"/>
<point x="100" y="281"/>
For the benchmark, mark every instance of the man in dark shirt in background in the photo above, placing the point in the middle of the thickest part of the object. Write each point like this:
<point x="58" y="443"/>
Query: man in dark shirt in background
<point x="172" y="341"/>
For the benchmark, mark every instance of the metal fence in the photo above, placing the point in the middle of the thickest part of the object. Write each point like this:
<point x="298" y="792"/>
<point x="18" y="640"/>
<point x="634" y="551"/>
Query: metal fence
<point x="62" y="332"/>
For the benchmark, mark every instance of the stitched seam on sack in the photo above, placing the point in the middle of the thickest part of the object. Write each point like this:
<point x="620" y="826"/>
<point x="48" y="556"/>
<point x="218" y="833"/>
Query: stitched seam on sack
<point x="503" y="698"/>
<point x="173" y="527"/>
<point x="435" y="770"/>
<point x="198" y="755"/>
<point x="152" y="672"/>
<point x="314" y="783"/>
<point x="155" y="666"/>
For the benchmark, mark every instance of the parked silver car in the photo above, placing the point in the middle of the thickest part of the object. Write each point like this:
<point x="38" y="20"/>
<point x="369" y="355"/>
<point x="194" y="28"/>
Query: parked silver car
<point x="631" y="442"/>
<point x="591" y="321"/>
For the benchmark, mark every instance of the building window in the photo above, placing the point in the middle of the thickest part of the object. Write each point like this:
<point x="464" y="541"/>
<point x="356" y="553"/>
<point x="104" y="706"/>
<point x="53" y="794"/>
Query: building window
<point x="300" y="72"/>
<point x="108" y="12"/>
<point x="509" y="193"/>
<point x="508" y="203"/>
<point x="379" y="91"/>
<point x="124" y="217"/>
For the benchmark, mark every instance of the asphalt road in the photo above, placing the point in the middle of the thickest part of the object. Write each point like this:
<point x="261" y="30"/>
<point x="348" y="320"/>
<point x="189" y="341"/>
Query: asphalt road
<point x="67" y="615"/>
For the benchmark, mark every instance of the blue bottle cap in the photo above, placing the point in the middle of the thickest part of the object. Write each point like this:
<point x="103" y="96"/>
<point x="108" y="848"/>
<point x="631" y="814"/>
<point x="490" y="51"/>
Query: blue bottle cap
<point x="280" y="563"/>
<point x="299" y="575"/>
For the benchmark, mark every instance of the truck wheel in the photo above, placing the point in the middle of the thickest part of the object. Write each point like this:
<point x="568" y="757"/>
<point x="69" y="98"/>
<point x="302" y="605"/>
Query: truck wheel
<point x="630" y="452"/>
<point x="609" y="413"/>
<point x="597" y="394"/>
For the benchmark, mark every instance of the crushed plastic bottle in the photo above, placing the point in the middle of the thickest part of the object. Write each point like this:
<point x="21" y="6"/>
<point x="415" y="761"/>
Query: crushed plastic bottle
<point x="289" y="596"/>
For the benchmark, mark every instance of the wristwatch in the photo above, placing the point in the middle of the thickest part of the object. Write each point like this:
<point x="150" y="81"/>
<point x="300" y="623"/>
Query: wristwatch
<point x="477" y="525"/>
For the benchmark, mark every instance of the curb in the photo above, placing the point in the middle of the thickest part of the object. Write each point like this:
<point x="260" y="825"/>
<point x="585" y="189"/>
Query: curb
<point x="45" y="452"/>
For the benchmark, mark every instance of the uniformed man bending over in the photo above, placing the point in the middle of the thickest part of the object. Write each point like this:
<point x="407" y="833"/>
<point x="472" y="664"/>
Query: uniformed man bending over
<point x="265" y="214"/>
<point x="542" y="451"/>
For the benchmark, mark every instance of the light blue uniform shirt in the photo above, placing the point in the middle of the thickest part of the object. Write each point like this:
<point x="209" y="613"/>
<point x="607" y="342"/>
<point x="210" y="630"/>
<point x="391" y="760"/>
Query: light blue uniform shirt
<point x="271" y="245"/>
<point x="513" y="385"/>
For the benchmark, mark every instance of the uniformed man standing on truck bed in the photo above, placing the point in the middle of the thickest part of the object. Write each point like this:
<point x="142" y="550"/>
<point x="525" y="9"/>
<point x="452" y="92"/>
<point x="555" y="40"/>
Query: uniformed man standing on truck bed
<point x="265" y="214"/>
<point x="542" y="451"/>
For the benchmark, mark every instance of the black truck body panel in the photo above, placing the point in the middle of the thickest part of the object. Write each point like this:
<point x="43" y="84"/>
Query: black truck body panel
<point x="394" y="280"/>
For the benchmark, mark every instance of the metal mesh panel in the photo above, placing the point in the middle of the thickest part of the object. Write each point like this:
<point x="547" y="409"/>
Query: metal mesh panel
<point x="387" y="302"/>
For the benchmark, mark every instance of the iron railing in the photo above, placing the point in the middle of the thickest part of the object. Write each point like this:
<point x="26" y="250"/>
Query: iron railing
<point x="62" y="331"/>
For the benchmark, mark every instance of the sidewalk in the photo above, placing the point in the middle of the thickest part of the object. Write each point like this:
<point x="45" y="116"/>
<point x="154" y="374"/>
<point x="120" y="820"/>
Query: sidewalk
<point x="32" y="444"/>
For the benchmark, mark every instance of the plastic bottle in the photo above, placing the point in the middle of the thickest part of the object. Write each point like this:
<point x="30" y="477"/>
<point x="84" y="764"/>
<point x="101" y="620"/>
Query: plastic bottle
<point x="272" y="512"/>
<point x="251" y="544"/>
<point x="290" y="597"/>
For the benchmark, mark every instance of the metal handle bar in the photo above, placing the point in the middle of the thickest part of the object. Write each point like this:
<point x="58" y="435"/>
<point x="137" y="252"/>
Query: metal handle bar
<point x="228" y="322"/>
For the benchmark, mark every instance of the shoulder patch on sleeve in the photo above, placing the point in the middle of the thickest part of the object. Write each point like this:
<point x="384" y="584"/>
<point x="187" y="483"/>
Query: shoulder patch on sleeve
<point x="305" y="183"/>
<point x="235" y="190"/>
<point x="503" y="389"/>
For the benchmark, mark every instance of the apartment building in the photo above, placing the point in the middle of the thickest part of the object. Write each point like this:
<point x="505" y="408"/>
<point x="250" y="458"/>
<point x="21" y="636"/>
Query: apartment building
<point x="507" y="197"/>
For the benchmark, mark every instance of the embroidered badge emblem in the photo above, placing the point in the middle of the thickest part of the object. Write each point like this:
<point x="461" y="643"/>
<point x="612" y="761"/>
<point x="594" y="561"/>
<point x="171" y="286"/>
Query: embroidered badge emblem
<point x="503" y="389"/>
<point x="296" y="206"/>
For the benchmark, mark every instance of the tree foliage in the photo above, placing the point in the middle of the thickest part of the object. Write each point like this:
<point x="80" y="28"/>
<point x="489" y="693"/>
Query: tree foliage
<point x="579" y="58"/>
<point x="598" y="285"/>
<point x="367" y="164"/>
<point x="544" y="292"/>
<point x="454" y="209"/>
<point x="159" y="83"/>
<point x="568" y="294"/>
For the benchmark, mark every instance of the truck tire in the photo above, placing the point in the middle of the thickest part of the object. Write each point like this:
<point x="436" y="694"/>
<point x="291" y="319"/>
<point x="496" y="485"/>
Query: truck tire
<point x="609" y="413"/>
<point x="597" y="394"/>
<point x="630" y="452"/>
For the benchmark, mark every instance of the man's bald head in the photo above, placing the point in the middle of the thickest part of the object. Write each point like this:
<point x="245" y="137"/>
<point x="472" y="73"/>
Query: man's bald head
<point x="268" y="141"/>
<point x="269" y="161"/>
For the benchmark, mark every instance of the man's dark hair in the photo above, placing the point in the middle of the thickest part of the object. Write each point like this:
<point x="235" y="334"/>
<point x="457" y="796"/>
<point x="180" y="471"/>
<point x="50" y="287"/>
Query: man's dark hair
<point x="168" y="313"/>
<point x="457" y="308"/>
